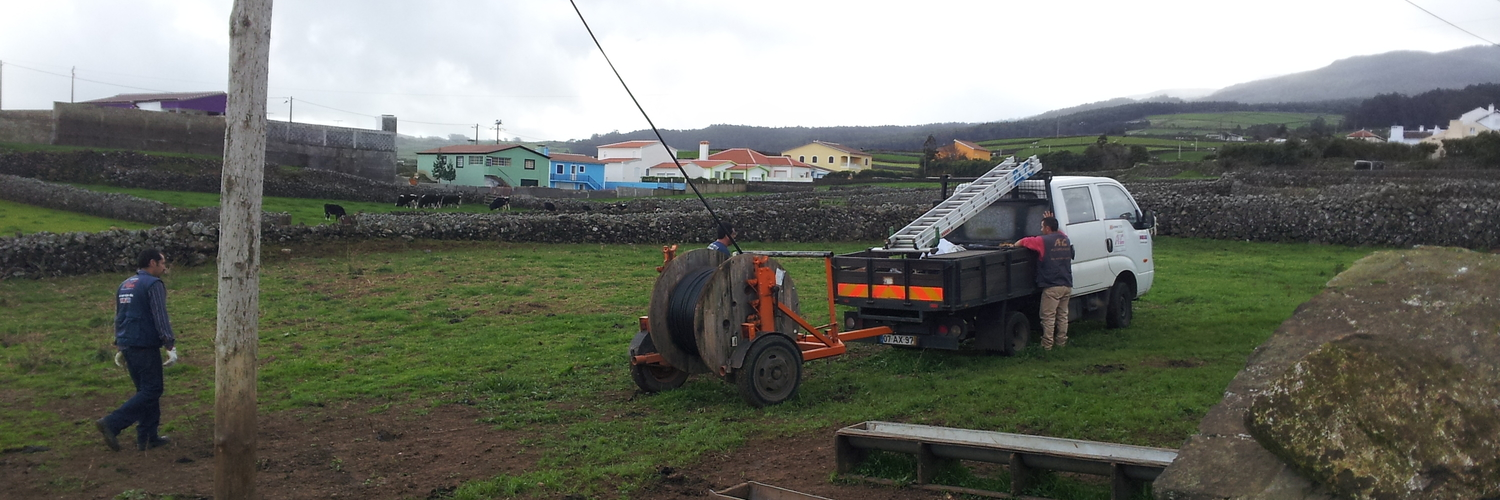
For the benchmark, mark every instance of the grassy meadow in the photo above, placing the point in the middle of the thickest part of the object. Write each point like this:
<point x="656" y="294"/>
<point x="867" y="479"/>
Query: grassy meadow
<point x="1198" y="124"/>
<point x="534" y="336"/>
<point x="27" y="219"/>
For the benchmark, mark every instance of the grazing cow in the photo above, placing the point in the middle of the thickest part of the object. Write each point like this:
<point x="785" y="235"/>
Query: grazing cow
<point x="549" y="206"/>
<point x="500" y="202"/>
<point x="407" y="200"/>
<point x="451" y="200"/>
<point x="430" y="201"/>
<point x="331" y="211"/>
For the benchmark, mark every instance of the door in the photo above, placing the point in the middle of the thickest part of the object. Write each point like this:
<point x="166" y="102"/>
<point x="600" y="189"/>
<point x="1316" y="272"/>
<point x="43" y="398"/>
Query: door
<point x="1087" y="232"/>
<point x="1132" y="250"/>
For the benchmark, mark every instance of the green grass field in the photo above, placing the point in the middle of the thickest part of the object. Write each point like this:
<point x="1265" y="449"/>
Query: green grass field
<point x="534" y="336"/>
<point x="1198" y="124"/>
<point x="303" y="210"/>
<point x="28" y="219"/>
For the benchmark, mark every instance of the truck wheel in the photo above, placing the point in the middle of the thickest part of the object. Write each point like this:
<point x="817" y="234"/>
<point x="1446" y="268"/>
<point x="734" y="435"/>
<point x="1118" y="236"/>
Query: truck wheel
<point x="772" y="371"/>
<point x="1017" y="333"/>
<point x="1119" y="312"/>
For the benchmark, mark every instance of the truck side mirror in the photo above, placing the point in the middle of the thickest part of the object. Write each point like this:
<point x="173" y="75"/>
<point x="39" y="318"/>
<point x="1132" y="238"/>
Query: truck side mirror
<point x="1145" y="221"/>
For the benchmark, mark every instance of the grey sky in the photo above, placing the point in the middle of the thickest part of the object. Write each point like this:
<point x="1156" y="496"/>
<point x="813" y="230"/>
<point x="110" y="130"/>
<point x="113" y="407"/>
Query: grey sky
<point x="696" y="63"/>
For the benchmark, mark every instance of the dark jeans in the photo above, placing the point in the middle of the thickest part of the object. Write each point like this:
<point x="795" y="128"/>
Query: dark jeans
<point x="144" y="408"/>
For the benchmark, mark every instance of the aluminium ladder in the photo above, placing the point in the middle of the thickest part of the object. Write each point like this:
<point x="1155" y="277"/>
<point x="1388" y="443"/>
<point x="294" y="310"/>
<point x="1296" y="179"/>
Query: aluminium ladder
<point x="922" y="234"/>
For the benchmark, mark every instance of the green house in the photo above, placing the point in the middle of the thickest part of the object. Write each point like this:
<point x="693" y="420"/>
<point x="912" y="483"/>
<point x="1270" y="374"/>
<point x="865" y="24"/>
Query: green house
<point x="489" y="165"/>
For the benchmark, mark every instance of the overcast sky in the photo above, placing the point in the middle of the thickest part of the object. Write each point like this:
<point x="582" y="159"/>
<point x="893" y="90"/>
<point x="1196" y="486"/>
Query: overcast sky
<point x="438" y="65"/>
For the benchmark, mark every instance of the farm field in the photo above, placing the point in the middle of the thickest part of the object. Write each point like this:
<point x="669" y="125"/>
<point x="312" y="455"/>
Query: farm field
<point x="303" y="210"/>
<point x="27" y="219"/>
<point x="1198" y="124"/>
<point x="485" y="370"/>
<point x="1165" y="149"/>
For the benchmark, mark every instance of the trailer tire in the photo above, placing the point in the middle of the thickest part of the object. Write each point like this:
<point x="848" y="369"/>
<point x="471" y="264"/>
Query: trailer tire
<point x="772" y="371"/>
<point x="653" y="378"/>
<point x="656" y="378"/>
<point x="1119" y="311"/>
<point x="1017" y="333"/>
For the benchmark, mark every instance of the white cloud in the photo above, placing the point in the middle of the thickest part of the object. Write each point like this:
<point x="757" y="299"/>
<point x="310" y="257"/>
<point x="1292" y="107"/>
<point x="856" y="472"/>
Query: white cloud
<point x="696" y="63"/>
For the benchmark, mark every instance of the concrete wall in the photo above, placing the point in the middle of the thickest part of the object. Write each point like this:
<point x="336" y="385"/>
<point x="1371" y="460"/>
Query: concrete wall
<point x="370" y="154"/>
<point x="26" y="126"/>
<point x="102" y="127"/>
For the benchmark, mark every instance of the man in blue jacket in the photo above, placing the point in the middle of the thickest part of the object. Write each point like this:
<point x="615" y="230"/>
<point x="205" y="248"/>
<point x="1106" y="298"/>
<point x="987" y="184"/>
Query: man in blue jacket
<point x="141" y="330"/>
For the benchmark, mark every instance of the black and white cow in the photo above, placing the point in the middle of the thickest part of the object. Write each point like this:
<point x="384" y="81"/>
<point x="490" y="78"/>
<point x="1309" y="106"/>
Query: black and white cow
<point x="500" y="202"/>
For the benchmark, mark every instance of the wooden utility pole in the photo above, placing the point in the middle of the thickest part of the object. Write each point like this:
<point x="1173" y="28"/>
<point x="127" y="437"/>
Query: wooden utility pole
<point x="239" y="251"/>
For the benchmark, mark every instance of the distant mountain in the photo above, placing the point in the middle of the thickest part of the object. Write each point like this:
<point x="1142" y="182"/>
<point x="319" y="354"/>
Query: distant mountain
<point x="1118" y="101"/>
<point x="1360" y="77"/>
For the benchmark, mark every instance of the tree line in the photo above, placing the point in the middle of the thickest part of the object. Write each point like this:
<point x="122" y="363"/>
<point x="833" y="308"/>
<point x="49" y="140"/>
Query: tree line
<point x="1431" y="108"/>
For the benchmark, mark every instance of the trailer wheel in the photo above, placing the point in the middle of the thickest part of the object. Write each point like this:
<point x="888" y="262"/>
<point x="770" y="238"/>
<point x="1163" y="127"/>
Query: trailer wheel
<point x="1017" y="333"/>
<point x="654" y="378"/>
<point x="1119" y="312"/>
<point x="772" y="371"/>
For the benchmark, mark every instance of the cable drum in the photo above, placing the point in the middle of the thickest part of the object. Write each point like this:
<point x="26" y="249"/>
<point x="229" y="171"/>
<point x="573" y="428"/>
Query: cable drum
<point x="682" y="305"/>
<point x="699" y="303"/>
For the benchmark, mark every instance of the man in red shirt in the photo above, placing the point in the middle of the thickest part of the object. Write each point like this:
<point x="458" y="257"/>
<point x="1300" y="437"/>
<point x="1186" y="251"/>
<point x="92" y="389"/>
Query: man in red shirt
<point x="1054" y="275"/>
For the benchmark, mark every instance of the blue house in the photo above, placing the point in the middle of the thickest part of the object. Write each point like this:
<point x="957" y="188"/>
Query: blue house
<point x="570" y="171"/>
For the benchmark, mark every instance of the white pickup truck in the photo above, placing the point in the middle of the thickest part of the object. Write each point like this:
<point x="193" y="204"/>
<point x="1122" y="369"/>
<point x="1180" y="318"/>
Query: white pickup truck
<point x="985" y="296"/>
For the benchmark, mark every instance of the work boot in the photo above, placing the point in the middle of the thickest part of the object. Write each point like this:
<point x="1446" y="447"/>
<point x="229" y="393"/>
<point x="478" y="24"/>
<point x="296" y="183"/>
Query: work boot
<point x="155" y="442"/>
<point x="111" y="438"/>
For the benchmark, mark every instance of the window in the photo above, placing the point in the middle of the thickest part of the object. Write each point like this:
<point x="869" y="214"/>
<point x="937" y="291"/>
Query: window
<point x="458" y="161"/>
<point x="489" y="161"/>
<point x="803" y="158"/>
<point x="1117" y="204"/>
<point x="559" y="169"/>
<point x="815" y="159"/>
<point x="830" y="160"/>
<point x="1080" y="205"/>
<point x="475" y="160"/>
<point x="529" y="182"/>
<point x="530" y="164"/>
<point x="502" y="162"/>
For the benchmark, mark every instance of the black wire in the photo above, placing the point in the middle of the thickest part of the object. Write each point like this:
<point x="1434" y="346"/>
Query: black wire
<point x="685" y="177"/>
<point x="1450" y="23"/>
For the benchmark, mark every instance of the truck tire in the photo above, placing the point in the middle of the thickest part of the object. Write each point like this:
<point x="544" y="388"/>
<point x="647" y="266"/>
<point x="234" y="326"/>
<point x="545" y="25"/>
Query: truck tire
<point x="772" y="371"/>
<point x="1119" y="311"/>
<point x="1017" y="333"/>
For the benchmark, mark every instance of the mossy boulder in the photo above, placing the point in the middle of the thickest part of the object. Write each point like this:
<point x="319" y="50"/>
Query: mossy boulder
<point x="1385" y="385"/>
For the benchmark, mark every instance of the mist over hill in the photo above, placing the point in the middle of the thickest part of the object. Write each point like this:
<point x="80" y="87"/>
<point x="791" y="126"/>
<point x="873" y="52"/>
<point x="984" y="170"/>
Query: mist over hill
<point x="1403" y="72"/>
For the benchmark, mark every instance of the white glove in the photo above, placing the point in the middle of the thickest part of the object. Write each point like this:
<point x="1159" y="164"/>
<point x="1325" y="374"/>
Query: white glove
<point x="171" y="358"/>
<point x="119" y="359"/>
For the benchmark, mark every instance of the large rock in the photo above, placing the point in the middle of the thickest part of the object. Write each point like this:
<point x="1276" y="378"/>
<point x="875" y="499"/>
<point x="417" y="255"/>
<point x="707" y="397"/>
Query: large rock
<point x="1408" y="404"/>
<point x="1382" y="386"/>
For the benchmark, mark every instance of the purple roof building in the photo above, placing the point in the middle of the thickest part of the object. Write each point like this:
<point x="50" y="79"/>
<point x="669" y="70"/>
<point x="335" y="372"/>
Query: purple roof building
<point x="203" y="103"/>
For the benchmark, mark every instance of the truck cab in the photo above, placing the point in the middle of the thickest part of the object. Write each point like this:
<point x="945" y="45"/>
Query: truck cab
<point x="985" y="295"/>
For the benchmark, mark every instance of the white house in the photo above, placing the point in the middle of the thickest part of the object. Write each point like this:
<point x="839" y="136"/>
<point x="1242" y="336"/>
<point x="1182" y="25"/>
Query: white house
<point x="628" y="161"/>
<point x="1399" y="134"/>
<point x="696" y="169"/>
<point x="1475" y="122"/>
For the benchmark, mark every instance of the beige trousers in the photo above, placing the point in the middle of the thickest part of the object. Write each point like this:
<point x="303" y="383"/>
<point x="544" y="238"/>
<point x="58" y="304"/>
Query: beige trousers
<point x="1055" y="312"/>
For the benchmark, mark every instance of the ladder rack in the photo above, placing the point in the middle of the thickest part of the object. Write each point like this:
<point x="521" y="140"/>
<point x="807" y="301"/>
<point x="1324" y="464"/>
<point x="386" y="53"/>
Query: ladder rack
<point x="922" y="234"/>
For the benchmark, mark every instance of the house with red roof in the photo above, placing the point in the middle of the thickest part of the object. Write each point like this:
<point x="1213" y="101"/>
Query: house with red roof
<point x="832" y="156"/>
<point x="753" y="165"/>
<point x="696" y="169"/>
<point x="1364" y="135"/>
<point x="578" y="172"/>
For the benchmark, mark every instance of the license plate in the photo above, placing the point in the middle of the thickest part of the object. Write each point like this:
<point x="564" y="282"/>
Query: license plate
<point x="898" y="339"/>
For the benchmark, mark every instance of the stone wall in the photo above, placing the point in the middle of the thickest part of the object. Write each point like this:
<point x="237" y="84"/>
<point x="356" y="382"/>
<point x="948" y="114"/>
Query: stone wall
<point x="136" y="170"/>
<point x="109" y="205"/>
<point x="192" y="243"/>
<point x="26" y="126"/>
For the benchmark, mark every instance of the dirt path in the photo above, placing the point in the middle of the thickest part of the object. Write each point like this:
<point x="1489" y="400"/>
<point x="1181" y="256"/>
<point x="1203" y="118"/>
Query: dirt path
<point x="350" y="452"/>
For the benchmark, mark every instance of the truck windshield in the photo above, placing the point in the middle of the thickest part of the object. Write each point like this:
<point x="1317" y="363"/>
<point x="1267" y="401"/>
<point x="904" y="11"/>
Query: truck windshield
<point x="1004" y="221"/>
